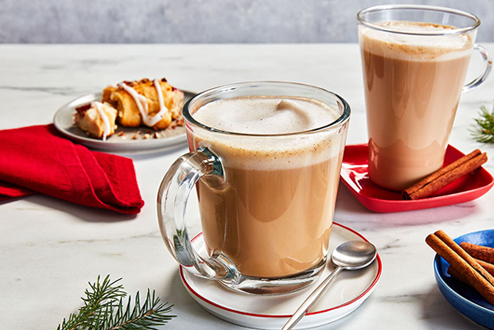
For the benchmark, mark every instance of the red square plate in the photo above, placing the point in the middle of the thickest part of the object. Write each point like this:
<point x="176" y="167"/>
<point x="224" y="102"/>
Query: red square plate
<point x="354" y="174"/>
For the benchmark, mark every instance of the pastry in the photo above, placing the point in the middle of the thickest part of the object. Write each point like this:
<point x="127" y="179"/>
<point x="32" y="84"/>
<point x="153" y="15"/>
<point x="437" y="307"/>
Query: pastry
<point x="96" y="119"/>
<point x="153" y="103"/>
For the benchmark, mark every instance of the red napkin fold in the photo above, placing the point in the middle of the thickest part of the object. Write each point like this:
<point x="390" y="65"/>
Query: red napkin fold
<point x="38" y="159"/>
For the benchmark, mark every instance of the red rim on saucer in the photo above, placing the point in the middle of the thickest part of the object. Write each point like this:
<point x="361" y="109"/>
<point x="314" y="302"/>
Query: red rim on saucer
<point x="355" y="176"/>
<point x="272" y="312"/>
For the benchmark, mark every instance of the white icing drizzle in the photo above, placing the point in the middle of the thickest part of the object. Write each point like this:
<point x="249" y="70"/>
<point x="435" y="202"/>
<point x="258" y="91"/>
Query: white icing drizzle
<point x="163" y="109"/>
<point x="106" y="121"/>
<point x="142" y="104"/>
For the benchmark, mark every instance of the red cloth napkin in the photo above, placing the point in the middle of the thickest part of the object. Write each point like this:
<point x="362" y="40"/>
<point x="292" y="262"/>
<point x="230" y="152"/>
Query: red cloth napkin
<point x="38" y="159"/>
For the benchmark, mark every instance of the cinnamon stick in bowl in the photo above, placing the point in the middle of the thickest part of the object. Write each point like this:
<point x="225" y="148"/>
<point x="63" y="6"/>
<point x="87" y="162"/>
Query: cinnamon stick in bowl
<point x="469" y="269"/>
<point x="445" y="175"/>
<point x="484" y="253"/>
<point x="487" y="266"/>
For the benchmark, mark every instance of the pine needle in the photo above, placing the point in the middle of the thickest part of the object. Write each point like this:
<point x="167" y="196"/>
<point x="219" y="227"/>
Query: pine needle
<point x="484" y="130"/>
<point x="104" y="309"/>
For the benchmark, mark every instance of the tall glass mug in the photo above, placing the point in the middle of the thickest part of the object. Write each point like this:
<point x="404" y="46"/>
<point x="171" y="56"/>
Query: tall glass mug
<point x="265" y="158"/>
<point x="415" y="59"/>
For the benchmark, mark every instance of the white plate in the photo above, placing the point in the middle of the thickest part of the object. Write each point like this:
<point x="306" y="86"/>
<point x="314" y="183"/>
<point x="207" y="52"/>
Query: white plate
<point x="345" y="294"/>
<point x="64" y="122"/>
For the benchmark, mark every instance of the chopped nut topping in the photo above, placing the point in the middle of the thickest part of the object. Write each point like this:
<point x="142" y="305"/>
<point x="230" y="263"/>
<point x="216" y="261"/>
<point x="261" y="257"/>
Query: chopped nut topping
<point x="83" y="108"/>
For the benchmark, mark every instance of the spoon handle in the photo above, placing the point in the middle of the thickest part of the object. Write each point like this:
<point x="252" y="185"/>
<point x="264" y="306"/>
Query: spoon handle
<point x="300" y="312"/>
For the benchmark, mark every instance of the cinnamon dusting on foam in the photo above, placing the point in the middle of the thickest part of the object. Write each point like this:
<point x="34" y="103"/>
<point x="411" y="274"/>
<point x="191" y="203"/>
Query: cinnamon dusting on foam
<point x="416" y="47"/>
<point x="271" y="116"/>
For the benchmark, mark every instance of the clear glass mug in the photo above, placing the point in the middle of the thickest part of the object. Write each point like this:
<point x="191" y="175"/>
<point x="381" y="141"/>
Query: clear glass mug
<point x="266" y="200"/>
<point x="414" y="59"/>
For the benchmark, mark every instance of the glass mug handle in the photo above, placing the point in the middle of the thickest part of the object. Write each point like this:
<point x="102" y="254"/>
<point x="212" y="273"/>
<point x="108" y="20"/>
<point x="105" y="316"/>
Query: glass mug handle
<point x="488" y="66"/>
<point x="173" y="194"/>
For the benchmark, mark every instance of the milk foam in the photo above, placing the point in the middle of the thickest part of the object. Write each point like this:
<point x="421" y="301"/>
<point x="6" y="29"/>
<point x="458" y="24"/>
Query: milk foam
<point x="265" y="115"/>
<point x="269" y="116"/>
<point x="417" y="47"/>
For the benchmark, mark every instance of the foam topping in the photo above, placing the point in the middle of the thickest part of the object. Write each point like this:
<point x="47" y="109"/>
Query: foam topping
<point x="265" y="115"/>
<point x="430" y="46"/>
<point x="269" y="116"/>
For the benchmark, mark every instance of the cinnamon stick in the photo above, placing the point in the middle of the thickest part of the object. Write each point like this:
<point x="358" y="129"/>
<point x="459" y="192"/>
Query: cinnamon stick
<point x="459" y="276"/>
<point x="474" y="274"/>
<point x="445" y="175"/>
<point x="484" y="253"/>
<point x="487" y="266"/>
<point x="463" y="254"/>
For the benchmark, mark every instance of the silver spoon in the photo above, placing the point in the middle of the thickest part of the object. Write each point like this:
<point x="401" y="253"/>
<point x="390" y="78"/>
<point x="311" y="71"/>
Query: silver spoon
<point x="351" y="255"/>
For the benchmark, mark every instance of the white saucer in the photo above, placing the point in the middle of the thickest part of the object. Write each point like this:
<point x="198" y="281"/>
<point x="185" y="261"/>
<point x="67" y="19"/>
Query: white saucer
<point x="346" y="294"/>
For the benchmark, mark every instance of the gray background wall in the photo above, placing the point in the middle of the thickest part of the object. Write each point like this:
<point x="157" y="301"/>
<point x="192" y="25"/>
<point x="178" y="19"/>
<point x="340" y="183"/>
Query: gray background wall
<point x="200" y="21"/>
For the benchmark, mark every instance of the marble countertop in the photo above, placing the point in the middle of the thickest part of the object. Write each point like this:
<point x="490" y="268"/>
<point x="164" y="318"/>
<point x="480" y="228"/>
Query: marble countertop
<point x="50" y="249"/>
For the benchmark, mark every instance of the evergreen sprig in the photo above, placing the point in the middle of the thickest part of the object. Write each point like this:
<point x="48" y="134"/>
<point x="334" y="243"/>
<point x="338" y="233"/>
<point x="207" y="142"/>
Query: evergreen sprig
<point x="484" y="130"/>
<point x="104" y="309"/>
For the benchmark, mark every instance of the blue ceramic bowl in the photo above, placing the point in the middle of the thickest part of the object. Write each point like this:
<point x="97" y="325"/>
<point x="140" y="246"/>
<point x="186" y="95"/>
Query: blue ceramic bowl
<point x="461" y="296"/>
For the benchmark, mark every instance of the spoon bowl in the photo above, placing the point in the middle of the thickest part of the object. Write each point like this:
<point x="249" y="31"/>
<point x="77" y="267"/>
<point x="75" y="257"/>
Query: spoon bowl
<point x="354" y="255"/>
<point x="350" y="255"/>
